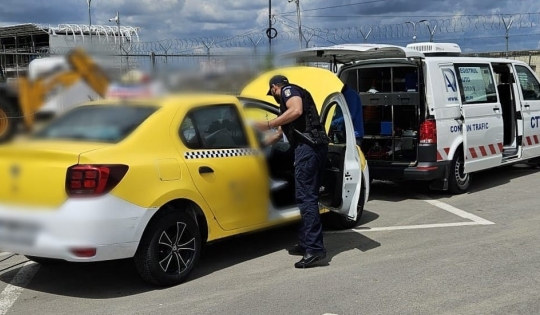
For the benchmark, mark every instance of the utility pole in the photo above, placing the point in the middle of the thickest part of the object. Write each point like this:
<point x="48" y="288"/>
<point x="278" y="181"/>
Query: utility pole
<point x="270" y="23"/>
<point x="89" y="19"/>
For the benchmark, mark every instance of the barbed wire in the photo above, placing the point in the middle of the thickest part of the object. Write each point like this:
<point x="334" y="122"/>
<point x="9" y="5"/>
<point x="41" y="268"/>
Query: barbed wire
<point x="496" y="24"/>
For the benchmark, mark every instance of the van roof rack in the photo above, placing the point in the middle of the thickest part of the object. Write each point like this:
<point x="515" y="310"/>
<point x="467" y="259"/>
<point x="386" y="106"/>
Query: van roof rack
<point x="436" y="49"/>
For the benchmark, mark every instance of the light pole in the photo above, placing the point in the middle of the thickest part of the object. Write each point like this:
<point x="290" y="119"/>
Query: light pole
<point x="507" y="28"/>
<point x="117" y="20"/>
<point x="298" y="18"/>
<point x="431" y="32"/>
<point x="414" y="27"/>
<point x="89" y="19"/>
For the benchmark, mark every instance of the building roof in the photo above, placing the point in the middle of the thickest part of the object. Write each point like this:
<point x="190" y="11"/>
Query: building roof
<point x="21" y="30"/>
<point x="66" y="29"/>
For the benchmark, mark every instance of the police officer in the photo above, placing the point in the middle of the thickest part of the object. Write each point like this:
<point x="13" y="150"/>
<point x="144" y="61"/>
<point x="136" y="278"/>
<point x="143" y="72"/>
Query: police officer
<point x="300" y="122"/>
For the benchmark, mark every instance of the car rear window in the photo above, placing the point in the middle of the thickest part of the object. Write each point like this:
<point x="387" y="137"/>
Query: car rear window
<point x="99" y="123"/>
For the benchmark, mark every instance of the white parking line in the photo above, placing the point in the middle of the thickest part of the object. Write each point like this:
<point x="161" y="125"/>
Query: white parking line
<point x="475" y="220"/>
<point x="456" y="211"/>
<point x="14" y="289"/>
<point x="2" y="254"/>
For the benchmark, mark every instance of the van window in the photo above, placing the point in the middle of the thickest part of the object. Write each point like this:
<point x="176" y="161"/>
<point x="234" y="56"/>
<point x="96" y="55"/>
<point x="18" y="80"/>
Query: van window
<point x="350" y="77"/>
<point x="529" y="84"/>
<point x="375" y="79"/>
<point x="476" y="83"/>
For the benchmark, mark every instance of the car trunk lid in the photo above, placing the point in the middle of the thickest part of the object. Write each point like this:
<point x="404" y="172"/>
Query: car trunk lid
<point x="34" y="173"/>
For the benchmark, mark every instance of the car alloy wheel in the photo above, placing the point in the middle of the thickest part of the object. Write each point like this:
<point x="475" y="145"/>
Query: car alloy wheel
<point x="169" y="249"/>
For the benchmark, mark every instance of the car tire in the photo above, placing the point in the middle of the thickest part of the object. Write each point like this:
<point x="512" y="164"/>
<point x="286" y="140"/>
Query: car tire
<point x="341" y="222"/>
<point x="8" y="120"/>
<point x="159" y="259"/>
<point x="458" y="182"/>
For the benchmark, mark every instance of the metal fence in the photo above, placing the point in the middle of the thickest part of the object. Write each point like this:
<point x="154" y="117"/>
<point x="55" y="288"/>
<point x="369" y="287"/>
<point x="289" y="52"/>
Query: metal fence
<point x="240" y="64"/>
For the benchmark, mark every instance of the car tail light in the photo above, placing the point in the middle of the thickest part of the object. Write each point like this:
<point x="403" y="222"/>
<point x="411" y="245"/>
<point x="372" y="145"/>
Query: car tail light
<point x="93" y="180"/>
<point x="428" y="132"/>
<point x="84" y="252"/>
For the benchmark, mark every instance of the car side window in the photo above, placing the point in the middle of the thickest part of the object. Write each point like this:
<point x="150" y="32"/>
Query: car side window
<point x="529" y="84"/>
<point x="335" y="124"/>
<point x="189" y="134"/>
<point x="477" y="84"/>
<point x="259" y="114"/>
<point x="214" y="127"/>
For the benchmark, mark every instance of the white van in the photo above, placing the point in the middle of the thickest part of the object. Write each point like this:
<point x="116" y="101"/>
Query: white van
<point x="432" y="114"/>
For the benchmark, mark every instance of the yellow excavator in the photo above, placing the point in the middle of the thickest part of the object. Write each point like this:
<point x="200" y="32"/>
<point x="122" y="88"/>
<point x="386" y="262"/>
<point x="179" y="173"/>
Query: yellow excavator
<point x="19" y="104"/>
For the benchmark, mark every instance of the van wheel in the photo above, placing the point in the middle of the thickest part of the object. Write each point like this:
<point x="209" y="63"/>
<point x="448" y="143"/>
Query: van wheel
<point x="169" y="249"/>
<point x="8" y="122"/>
<point x="341" y="222"/>
<point x="458" y="181"/>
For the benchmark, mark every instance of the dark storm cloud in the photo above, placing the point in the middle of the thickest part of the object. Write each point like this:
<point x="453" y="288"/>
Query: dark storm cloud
<point x="41" y="12"/>
<point x="182" y="19"/>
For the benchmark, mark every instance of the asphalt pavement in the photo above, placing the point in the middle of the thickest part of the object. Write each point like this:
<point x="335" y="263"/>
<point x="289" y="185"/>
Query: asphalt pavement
<point x="415" y="252"/>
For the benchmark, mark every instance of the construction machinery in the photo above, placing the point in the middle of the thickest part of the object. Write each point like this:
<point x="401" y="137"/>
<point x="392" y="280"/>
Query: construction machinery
<point x="53" y="84"/>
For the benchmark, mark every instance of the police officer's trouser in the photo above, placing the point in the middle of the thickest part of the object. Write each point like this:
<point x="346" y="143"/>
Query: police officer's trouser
<point x="309" y="163"/>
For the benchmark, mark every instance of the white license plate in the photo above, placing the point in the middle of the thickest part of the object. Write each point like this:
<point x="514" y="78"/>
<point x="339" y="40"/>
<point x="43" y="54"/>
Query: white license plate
<point x="17" y="233"/>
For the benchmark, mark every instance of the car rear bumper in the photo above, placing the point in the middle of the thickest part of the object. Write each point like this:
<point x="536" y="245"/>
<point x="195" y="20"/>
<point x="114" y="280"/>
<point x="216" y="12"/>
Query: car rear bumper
<point x="421" y="172"/>
<point x="111" y="226"/>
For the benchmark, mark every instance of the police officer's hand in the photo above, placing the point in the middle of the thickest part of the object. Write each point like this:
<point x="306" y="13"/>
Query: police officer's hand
<point x="261" y="125"/>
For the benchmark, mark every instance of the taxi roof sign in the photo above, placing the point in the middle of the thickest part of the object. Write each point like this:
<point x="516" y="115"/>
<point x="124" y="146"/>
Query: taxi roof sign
<point x="129" y="91"/>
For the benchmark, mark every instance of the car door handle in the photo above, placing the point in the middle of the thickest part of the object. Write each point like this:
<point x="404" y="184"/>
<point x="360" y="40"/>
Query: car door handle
<point x="496" y="109"/>
<point x="527" y="106"/>
<point x="205" y="169"/>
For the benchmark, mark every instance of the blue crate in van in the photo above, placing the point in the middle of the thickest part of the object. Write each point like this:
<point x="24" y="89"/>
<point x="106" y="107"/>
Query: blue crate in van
<point x="386" y="128"/>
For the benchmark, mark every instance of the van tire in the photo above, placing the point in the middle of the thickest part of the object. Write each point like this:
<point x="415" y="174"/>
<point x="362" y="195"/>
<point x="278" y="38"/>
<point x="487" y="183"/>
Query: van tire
<point x="458" y="182"/>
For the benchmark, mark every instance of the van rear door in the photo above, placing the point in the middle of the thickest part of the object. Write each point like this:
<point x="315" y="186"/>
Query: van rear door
<point x="482" y="116"/>
<point x="349" y="53"/>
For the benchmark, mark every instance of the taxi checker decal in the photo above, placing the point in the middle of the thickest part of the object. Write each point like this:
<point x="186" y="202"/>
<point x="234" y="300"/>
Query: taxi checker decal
<point x="222" y="153"/>
<point x="474" y="152"/>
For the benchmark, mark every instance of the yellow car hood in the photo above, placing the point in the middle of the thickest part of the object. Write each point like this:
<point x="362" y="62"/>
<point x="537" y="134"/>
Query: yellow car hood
<point x="318" y="81"/>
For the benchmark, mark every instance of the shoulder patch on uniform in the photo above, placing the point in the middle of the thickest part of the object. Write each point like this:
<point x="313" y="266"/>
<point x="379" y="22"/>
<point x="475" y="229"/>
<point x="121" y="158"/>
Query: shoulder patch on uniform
<point x="287" y="92"/>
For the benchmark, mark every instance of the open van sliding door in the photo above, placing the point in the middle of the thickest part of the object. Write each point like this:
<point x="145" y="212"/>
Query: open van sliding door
<point x="530" y="108"/>
<point x="482" y="116"/>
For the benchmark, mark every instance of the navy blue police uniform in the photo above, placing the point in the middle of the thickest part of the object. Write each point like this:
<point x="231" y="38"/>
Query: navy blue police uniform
<point x="310" y="142"/>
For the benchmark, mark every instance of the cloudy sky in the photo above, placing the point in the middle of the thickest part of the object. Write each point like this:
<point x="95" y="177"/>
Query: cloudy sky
<point x="474" y="24"/>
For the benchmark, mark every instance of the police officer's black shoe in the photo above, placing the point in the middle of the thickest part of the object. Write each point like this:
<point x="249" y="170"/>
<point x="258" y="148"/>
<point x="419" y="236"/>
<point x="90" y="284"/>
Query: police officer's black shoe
<point x="297" y="250"/>
<point x="309" y="259"/>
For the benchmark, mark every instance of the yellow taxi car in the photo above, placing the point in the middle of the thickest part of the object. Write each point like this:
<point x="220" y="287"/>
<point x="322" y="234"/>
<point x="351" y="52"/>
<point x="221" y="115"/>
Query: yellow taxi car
<point x="155" y="179"/>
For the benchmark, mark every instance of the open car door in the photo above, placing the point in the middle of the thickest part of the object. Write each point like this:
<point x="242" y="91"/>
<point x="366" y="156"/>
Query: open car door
<point x="342" y="174"/>
<point x="340" y="189"/>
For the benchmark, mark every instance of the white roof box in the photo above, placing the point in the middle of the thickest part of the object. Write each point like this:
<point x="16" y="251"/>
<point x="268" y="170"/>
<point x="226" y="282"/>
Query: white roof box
<point x="440" y="49"/>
